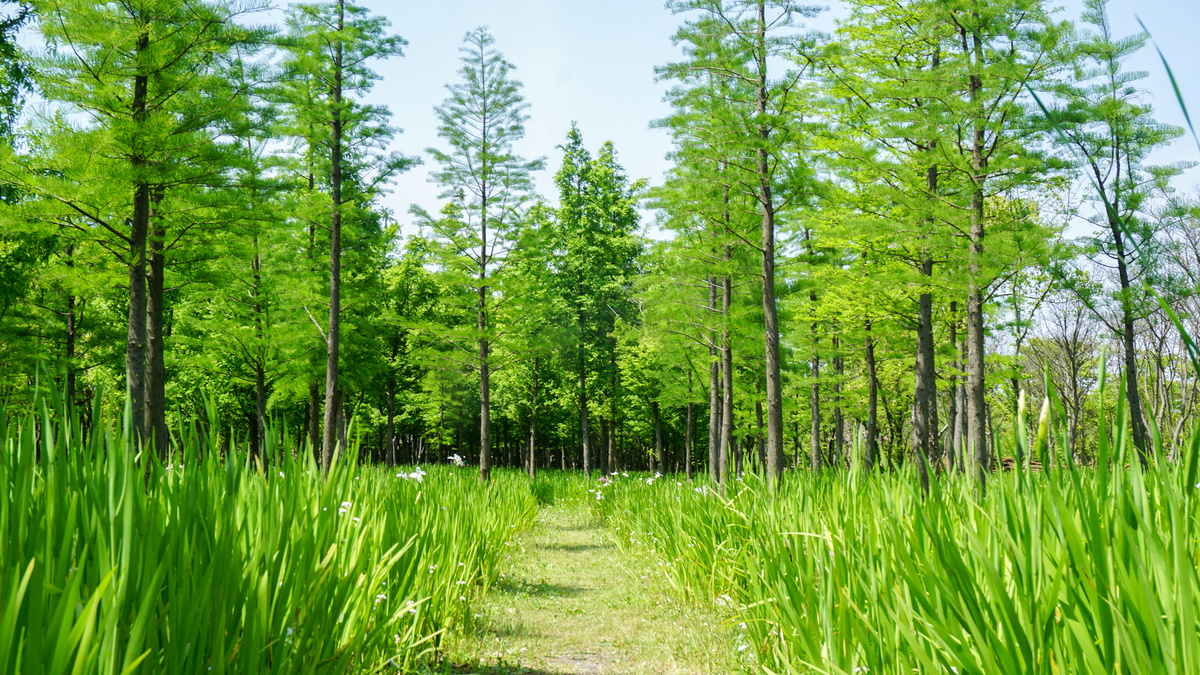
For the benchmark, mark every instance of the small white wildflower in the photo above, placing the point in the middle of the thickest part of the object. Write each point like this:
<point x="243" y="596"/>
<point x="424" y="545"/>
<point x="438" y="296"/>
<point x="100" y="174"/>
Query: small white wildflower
<point x="356" y="519"/>
<point x="432" y="568"/>
<point x="417" y="475"/>
<point x="281" y="474"/>
<point x="380" y="598"/>
<point x="456" y="460"/>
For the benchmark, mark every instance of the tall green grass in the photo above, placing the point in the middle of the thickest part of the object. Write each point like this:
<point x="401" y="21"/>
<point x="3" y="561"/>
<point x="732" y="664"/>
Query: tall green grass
<point x="1071" y="570"/>
<point x="110" y="564"/>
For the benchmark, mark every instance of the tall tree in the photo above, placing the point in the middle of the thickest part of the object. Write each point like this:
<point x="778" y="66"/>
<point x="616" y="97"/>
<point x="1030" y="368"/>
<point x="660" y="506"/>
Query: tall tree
<point x="1107" y="128"/>
<point x="596" y="253"/>
<point x="134" y="175"/>
<point x="738" y="44"/>
<point x="480" y="121"/>
<point x="331" y="45"/>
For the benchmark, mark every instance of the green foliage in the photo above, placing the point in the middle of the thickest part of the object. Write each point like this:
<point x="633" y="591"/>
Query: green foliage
<point x="1085" y="570"/>
<point x="112" y="563"/>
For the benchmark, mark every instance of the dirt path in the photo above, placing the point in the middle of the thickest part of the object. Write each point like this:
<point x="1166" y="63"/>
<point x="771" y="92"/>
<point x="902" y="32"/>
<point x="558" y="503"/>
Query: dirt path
<point x="572" y="602"/>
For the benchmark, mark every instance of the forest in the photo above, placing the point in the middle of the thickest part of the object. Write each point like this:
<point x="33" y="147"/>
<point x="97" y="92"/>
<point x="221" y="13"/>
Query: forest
<point x="911" y="292"/>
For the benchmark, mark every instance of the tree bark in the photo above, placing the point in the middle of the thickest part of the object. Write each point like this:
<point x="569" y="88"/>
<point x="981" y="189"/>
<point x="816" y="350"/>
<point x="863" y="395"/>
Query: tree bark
<point x="814" y="400"/>
<point x="975" y="339"/>
<point x="870" y="443"/>
<point x="726" y="377"/>
<point x="532" y="459"/>
<point x="70" y="341"/>
<point x="139" y="226"/>
<point x="839" y="440"/>
<point x="1137" y="426"/>
<point x="759" y="445"/>
<point x="260" y="375"/>
<point x="333" y="335"/>
<point x="612" y="412"/>
<point x="770" y="316"/>
<point x="660" y="453"/>
<point x="714" y="391"/>
<point x="156" y="371"/>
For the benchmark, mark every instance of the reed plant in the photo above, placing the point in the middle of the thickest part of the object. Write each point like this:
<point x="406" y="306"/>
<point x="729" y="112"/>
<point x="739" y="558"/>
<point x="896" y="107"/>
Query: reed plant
<point x="112" y="562"/>
<point x="1065" y="570"/>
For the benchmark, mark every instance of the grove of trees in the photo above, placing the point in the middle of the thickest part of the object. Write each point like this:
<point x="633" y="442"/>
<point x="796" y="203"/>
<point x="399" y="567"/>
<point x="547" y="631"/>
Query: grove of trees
<point x="872" y="245"/>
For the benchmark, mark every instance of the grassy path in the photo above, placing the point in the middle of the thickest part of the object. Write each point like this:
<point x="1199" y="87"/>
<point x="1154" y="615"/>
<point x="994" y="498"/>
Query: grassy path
<point x="573" y="602"/>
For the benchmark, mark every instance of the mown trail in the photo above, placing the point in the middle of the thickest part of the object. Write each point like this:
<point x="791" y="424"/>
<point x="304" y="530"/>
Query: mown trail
<point x="573" y="602"/>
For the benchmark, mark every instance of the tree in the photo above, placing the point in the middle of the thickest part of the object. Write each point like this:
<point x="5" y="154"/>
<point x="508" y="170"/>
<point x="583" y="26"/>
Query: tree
<point x="329" y="47"/>
<point x="732" y="49"/>
<point x="595" y="261"/>
<point x="1102" y="123"/>
<point x="482" y="118"/>
<point x="135" y="173"/>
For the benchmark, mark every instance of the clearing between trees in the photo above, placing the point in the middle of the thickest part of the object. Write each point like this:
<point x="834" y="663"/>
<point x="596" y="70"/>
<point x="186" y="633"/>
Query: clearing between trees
<point x="572" y="601"/>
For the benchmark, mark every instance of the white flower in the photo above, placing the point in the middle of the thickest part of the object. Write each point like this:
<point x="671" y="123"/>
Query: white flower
<point x="613" y="473"/>
<point x="456" y="460"/>
<point x="463" y="598"/>
<point x="281" y="474"/>
<point x="658" y="475"/>
<point x="625" y="474"/>
<point x="356" y="519"/>
<point x="599" y="496"/>
<point x="723" y="600"/>
<point x="417" y="475"/>
<point x="432" y="568"/>
<point x="380" y="598"/>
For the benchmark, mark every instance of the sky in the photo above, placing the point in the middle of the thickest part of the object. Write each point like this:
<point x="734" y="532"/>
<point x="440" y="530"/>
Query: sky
<point x="593" y="63"/>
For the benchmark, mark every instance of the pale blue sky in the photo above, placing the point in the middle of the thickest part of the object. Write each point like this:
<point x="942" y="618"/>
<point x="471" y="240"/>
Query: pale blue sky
<point x="593" y="62"/>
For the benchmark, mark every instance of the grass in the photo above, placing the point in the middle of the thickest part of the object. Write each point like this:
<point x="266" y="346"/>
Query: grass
<point x="571" y="601"/>
<point x="111" y="564"/>
<point x="1072" y="570"/>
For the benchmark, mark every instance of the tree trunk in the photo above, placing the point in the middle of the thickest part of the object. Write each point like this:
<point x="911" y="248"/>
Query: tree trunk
<point x="612" y="412"/>
<point x="70" y="341"/>
<point x="1137" y="426"/>
<point x="714" y="391"/>
<point x="953" y="412"/>
<point x="660" y="453"/>
<point x="583" y="412"/>
<point x="759" y="445"/>
<point x="260" y="374"/>
<point x="770" y="317"/>
<point x="333" y="336"/>
<point x="839" y="440"/>
<point x="975" y="345"/>
<point x="726" y="378"/>
<point x="871" y="443"/>
<point x="532" y="460"/>
<point x="687" y="438"/>
<point x="139" y="226"/>
<point x="814" y="400"/>
<point x="389" y="438"/>
<point x="156" y="371"/>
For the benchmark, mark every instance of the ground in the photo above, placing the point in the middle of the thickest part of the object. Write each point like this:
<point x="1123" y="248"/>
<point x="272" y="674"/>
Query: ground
<point x="572" y="602"/>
